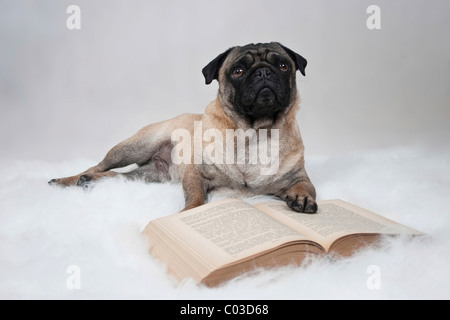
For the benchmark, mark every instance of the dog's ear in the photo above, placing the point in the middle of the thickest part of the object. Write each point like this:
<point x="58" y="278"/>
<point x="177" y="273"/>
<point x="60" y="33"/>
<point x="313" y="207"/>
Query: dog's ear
<point x="300" y="62"/>
<point x="211" y="71"/>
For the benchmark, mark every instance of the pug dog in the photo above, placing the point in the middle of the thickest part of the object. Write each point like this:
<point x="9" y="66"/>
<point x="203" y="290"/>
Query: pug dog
<point x="254" y="113"/>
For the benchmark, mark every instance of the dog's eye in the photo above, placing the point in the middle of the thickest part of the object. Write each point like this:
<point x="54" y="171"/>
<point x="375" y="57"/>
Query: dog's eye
<point x="238" y="72"/>
<point x="284" y="67"/>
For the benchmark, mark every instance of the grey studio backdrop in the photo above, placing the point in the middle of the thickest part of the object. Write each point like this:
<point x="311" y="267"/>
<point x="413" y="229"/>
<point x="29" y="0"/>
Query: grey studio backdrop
<point x="68" y="94"/>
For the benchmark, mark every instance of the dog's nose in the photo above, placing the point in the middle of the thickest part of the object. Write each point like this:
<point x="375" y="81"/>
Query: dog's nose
<point x="263" y="73"/>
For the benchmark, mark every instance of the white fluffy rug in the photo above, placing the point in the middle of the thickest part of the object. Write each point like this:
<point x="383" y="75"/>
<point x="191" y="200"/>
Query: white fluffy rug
<point x="44" y="230"/>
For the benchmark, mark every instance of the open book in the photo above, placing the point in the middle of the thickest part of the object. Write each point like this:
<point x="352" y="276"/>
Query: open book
<point x="220" y="240"/>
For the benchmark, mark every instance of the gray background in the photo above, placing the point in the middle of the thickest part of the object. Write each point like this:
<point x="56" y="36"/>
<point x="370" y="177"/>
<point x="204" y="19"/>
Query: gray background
<point x="69" y="94"/>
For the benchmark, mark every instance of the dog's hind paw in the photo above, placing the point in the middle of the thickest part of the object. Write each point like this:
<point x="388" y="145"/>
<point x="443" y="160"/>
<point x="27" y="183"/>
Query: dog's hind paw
<point x="84" y="181"/>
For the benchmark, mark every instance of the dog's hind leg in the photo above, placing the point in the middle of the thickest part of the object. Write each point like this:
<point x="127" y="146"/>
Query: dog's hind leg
<point x="150" y="172"/>
<point x="139" y="149"/>
<point x="157" y="169"/>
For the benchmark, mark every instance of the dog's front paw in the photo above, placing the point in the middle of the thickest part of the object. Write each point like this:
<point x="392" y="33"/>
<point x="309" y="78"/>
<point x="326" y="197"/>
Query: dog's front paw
<point x="301" y="204"/>
<point x="301" y="198"/>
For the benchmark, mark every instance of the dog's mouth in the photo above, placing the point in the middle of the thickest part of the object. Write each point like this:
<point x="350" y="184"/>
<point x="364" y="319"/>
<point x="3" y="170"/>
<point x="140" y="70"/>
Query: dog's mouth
<point x="266" y="97"/>
<point x="265" y="104"/>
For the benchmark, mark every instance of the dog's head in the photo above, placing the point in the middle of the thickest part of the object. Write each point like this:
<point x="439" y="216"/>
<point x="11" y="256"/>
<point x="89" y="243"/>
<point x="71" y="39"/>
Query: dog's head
<point x="257" y="80"/>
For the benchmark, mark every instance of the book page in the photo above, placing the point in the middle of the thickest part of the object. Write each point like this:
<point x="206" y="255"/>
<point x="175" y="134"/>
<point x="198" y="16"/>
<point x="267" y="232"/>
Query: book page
<point x="227" y="230"/>
<point x="334" y="219"/>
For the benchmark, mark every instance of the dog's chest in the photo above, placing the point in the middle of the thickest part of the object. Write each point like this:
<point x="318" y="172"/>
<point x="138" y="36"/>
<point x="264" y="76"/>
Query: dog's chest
<point x="251" y="164"/>
<point x="249" y="176"/>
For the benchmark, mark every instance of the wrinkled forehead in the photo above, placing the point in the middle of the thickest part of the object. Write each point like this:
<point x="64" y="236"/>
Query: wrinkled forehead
<point x="254" y="53"/>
